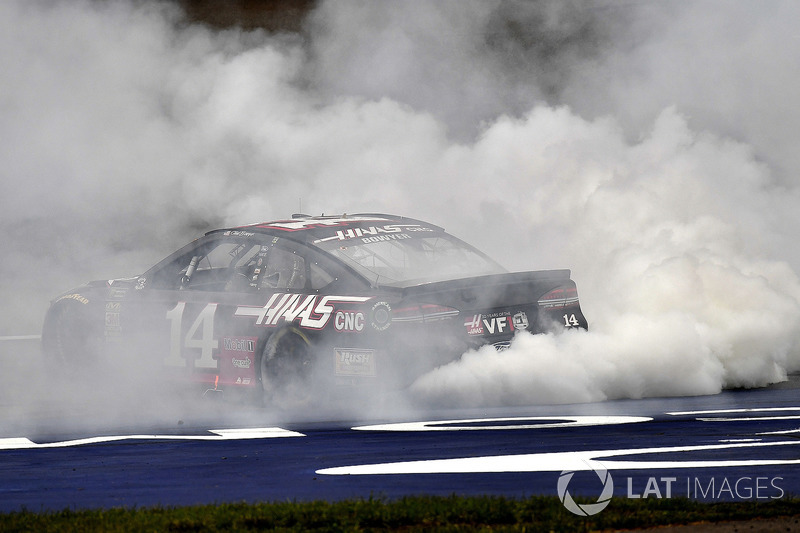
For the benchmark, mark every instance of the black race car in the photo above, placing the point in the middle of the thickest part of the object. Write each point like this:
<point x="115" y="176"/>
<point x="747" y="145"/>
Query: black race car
<point x="282" y="307"/>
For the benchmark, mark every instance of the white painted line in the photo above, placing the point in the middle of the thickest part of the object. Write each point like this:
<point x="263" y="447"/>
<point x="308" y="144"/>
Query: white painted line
<point x="787" y="432"/>
<point x="749" y="418"/>
<point x="19" y="443"/>
<point x="724" y="411"/>
<point x="21" y="338"/>
<point x="472" y="424"/>
<point x="563" y="461"/>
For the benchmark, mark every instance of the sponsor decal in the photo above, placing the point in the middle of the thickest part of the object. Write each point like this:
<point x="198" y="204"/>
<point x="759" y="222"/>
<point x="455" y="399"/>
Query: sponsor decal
<point x="117" y="293"/>
<point x="370" y="234"/>
<point x="307" y="310"/>
<point x="348" y="321"/>
<point x="113" y="327"/>
<point x="77" y="297"/>
<point x="354" y="362"/>
<point x="520" y="320"/>
<point x="237" y="233"/>
<point x="381" y="314"/>
<point x="236" y="344"/>
<point x="140" y="284"/>
<point x="474" y="325"/>
<point x="388" y="231"/>
<point x="112" y="320"/>
<point x="232" y="346"/>
<point x="494" y="323"/>
<point x="242" y="363"/>
<point x="121" y="280"/>
<point x="299" y="225"/>
<point x="236" y="359"/>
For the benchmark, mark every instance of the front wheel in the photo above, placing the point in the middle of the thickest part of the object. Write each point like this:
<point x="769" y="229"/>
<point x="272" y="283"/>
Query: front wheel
<point x="68" y="342"/>
<point x="286" y="369"/>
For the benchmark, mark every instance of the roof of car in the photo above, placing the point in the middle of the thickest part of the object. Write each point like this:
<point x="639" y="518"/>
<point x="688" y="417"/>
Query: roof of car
<point x="307" y="227"/>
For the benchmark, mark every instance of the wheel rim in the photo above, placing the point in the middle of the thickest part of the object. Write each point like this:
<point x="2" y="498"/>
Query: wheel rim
<point x="286" y="369"/>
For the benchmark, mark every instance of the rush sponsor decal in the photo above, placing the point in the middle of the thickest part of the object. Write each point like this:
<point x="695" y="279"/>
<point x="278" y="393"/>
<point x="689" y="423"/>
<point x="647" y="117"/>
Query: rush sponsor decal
<point x="306" y="310"/>
<point x="354" y="362"/>
<point x="502" y="322"/>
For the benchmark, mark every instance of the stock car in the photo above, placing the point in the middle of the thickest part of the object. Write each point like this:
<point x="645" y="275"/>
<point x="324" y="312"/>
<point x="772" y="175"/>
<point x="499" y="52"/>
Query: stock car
<point x="279" y="308"/>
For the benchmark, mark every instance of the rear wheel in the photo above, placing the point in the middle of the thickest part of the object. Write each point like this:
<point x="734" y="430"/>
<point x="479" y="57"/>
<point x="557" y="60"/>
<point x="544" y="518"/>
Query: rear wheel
<point x="286" y="369"/>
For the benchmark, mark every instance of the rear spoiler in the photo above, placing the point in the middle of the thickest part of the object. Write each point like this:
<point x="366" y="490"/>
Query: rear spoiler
<point x="484" y="291"/>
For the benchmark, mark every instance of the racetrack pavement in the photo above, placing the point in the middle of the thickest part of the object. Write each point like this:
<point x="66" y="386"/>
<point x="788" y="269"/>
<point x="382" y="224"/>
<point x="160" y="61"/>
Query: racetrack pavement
<point x="56" y="452"/>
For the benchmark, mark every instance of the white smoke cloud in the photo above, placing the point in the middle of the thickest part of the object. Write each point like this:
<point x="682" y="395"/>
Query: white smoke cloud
<point x="664" y="238"/>
<point x="648" y="148"/>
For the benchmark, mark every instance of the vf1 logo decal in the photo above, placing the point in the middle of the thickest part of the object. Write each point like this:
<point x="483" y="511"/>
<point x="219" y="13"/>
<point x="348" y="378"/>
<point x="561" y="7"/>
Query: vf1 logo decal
<point x="496" y="323"/>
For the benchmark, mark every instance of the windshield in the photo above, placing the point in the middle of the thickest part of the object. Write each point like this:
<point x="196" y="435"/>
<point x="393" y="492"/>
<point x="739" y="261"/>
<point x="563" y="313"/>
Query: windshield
<point x="403" y="259"/>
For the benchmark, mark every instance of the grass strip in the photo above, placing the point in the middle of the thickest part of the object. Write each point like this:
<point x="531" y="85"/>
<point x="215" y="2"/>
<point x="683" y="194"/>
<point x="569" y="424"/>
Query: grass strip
<point x="412" y="513"/>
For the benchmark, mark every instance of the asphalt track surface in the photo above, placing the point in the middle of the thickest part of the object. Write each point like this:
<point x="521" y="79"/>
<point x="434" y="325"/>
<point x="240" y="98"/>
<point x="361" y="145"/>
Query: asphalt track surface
<point x="737" y="445"/>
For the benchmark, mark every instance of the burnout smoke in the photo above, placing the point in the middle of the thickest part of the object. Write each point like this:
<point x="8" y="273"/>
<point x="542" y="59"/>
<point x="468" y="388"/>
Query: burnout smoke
<point x="648" y="147"/>
<point x="680" y="297"/>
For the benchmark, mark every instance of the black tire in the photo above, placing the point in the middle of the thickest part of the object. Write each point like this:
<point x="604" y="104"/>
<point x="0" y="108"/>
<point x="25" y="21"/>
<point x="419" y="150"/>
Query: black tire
<point x="68" y="343"/>
<point x="286" y="369"/>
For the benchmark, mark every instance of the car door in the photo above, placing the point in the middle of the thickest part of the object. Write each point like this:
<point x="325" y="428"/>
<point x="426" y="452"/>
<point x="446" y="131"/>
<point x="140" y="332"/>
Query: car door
<point x="181" y="317"/>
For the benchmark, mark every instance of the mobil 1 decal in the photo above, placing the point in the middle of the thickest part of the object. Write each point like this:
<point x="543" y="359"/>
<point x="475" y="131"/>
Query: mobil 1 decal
<point x="237" y="360"/>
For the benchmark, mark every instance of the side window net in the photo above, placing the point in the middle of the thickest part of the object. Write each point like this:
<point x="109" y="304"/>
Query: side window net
<point x="243" y="266"/>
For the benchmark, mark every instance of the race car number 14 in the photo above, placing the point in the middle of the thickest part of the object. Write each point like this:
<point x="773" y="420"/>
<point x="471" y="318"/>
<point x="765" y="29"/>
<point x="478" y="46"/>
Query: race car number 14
<point x="206" y="343"/>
